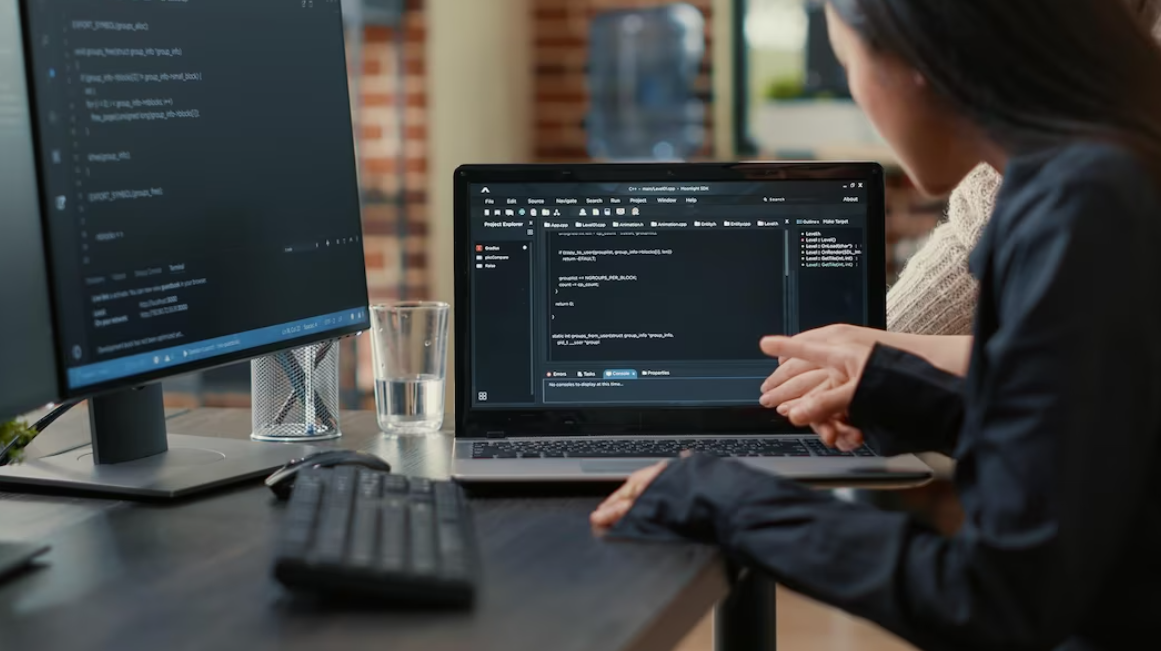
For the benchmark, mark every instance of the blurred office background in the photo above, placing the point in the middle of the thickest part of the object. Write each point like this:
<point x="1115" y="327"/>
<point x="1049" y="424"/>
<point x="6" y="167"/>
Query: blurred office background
<point x="438" y="83"/>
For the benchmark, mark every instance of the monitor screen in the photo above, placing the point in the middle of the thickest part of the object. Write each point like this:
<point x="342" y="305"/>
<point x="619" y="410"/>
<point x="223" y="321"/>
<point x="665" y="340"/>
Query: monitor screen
<point x="634" y="295"/>
<point x="28" y="376"/>
<point x="199" y="181"/>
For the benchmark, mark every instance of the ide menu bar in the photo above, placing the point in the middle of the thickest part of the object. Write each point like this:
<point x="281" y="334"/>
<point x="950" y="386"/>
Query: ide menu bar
<point x="602" y="194"/>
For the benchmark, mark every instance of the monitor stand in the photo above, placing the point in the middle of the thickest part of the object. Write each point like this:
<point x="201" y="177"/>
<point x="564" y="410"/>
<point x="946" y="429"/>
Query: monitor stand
<point x="132" y="456"/>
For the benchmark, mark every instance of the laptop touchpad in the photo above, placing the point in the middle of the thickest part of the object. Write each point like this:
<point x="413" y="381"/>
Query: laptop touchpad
<point x="614" y="466"/>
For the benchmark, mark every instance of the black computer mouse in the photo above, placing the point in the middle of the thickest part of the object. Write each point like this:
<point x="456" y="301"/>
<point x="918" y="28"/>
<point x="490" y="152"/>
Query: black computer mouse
<point x="282" y="481"/>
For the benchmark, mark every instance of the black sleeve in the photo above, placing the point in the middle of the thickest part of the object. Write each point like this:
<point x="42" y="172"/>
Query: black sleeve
<point x="904" y="404"/>
<point x="1059" y="441"/>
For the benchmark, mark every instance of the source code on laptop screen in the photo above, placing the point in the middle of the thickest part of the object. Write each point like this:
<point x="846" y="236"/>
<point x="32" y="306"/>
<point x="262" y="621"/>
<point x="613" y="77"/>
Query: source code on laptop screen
<point x="637" y="294"/>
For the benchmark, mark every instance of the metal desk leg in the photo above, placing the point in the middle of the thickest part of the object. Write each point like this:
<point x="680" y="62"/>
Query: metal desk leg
<point x="745" y="620"/>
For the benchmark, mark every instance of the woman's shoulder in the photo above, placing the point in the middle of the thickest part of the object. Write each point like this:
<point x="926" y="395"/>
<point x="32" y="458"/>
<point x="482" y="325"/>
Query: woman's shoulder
<point x="1085" y="160"/>
<point x="1091" y="195"/>
<point x="1089" y="181"/>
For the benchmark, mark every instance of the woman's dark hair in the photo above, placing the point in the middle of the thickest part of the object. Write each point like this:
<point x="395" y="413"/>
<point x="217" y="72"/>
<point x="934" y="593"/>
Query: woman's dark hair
<point x="1034" y="74"/>
<point x="1148" y="11"/>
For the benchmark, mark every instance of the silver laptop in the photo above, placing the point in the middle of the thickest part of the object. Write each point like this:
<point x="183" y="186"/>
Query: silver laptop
<point x="610" y="315"/>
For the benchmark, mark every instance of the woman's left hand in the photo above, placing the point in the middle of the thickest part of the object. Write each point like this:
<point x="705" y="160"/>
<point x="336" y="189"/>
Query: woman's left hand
<point x="618" y="504"/>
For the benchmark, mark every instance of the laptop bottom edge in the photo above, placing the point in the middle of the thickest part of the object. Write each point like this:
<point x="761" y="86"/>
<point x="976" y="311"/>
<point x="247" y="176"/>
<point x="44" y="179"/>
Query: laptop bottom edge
<point x="845" y="471"/>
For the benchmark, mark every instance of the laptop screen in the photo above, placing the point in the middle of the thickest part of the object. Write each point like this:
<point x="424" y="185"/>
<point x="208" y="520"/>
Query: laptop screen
<point x="638" y="295"/>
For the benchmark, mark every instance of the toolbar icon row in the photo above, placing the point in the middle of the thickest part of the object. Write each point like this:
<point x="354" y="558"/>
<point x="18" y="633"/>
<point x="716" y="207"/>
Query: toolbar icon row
<point x="609" y="212"/>
<point x="514" y="212"/>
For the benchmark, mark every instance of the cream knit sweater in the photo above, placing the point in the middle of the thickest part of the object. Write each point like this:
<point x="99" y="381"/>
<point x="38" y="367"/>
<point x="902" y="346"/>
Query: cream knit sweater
<point x="935" y="293"/>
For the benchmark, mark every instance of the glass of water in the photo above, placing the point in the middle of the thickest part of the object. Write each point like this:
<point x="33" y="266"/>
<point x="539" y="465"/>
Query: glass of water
<point x="409" y="344"/>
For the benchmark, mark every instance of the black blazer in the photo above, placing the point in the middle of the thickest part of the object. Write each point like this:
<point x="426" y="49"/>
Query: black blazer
<point x="1056" y="429"/>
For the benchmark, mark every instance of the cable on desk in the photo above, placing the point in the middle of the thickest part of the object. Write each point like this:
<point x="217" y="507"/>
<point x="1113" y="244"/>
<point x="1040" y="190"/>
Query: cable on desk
<point x="39" y="426"/>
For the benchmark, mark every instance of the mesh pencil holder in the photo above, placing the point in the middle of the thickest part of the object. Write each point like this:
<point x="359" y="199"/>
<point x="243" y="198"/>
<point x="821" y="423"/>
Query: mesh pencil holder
<point x="295" y="394"/>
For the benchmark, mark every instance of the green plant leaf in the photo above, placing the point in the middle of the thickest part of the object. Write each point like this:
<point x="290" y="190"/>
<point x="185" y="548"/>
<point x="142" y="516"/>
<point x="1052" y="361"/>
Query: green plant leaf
<point x="19" y="431"/>
<point x="786" y="88"/>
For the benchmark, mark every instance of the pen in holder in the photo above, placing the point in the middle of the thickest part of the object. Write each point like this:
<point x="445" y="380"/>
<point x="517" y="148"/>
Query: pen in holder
<point x="295" y="394"/>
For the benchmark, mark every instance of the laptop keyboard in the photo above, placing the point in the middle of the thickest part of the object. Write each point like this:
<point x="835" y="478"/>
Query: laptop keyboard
<point x="660" y="448"/>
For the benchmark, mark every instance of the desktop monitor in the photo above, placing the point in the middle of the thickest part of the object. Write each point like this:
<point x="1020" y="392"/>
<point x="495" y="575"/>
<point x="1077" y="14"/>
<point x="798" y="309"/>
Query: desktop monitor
<point x="27" y="368"/>
<point x="199" y="195"/>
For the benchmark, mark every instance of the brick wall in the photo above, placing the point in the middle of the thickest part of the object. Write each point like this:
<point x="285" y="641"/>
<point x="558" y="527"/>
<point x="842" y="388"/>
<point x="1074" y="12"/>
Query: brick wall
<point x="396" y="253"/>
<point x="561" y="33"/>
<point x="395" y="218"/>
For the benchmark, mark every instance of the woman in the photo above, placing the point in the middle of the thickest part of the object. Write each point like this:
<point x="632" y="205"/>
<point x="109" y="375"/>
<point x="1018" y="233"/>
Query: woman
<point x="930" y="308"/>
<point x="935" y="293"/>
<point x="1057" y="426"/>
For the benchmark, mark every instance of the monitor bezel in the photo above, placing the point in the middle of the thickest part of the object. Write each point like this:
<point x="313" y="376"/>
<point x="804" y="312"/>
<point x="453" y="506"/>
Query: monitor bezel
<point x="128" y="382"/>
<point x="546" y="420"/>
<point x="14" y="407"/>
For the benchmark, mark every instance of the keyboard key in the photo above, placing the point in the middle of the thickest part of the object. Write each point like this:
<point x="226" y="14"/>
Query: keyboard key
<point x="363" y="532"/>
<point x="447" y="502"/>
<point x="343" y="480"/>
<point x="423" y="556"/>
<point x="393" y="536"/>
<point x="420" y="486"/>
<point x="451" y="542"/>
<point x="332" y="536"/>
<point x="369" y="483"/>
<point x="452" y="549"/>
<point x="303" y="510"/>
<point x="394" y="484"/>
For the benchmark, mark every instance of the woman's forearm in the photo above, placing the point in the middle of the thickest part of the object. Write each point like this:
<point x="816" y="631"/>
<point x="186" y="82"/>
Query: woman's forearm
<point x="949" y="353"/>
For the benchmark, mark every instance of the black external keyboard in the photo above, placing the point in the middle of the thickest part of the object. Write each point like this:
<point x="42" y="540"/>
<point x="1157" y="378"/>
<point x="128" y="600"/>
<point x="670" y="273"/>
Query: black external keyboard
<point x="354" y="532"/>
<point x="661" y="448"/>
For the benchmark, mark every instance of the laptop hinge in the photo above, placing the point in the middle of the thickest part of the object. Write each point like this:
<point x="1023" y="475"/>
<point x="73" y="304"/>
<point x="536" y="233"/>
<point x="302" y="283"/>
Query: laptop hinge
<point x="495" y="435"/>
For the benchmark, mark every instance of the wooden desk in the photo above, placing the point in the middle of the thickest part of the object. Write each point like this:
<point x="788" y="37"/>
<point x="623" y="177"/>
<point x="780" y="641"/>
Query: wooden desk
<point x="196" y="575"/>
